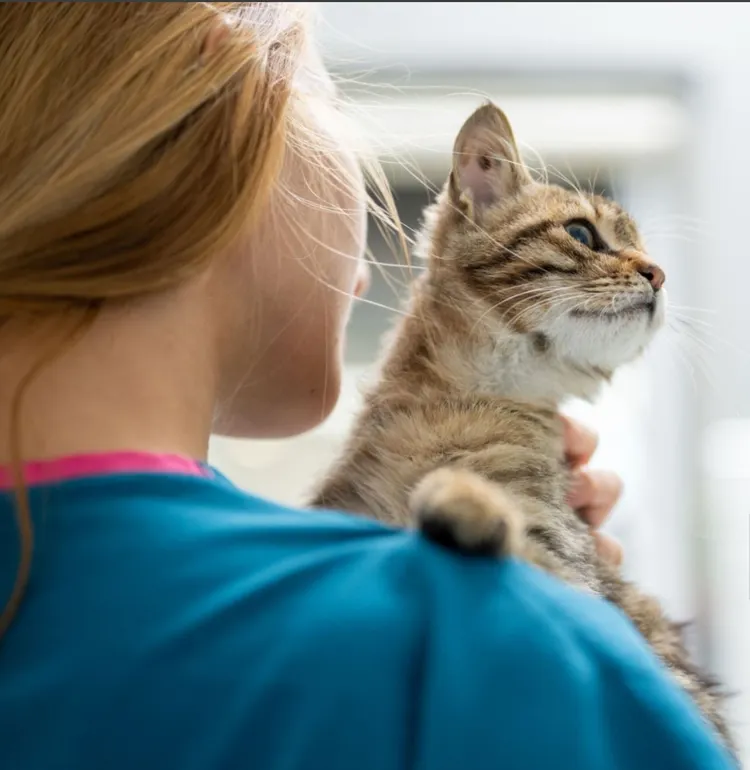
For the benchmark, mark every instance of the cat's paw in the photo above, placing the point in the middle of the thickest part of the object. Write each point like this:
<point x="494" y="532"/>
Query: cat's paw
<point x="463" y="511"/>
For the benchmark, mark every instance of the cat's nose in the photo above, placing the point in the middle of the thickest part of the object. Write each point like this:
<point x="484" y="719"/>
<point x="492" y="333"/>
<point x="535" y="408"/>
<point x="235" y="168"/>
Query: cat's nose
<point x="653" y="274"/>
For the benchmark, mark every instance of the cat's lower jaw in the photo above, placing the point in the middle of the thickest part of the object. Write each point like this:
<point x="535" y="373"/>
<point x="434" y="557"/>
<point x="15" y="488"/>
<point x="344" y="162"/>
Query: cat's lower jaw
<point x="513" y="367"/>
<point x="440" y="350"/>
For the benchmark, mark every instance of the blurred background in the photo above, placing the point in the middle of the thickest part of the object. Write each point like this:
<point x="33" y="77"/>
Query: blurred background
<point x="648" y="103"/>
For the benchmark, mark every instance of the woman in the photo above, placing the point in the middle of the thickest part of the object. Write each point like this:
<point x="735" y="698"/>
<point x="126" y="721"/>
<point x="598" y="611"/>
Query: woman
<point x="181" y="237"/>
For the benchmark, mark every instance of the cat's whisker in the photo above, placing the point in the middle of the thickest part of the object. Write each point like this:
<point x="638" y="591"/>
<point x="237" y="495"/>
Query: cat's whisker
<point x="532" y="292"/>
<point x="696" y="355"/>
<point x="556" y="297"/>
<point x="572" y="183"/>
<point x="664" y="229"/>
<point x="694" y="333"/>
<point x="682" y="220"/>
<point x="689" y="334"/>
<point x="655" y="237"/>
<point x="667" y="231"/>
<point x="548" y="306"/>
<point x="541" y="293"/>
<point x="692" y="308"/>
<point x="684" y="358"/>
<point x="542" y="168"/>
<point x="564" y="303"/>
<point x="691" y="322"/>
<point x="594" y="180"/>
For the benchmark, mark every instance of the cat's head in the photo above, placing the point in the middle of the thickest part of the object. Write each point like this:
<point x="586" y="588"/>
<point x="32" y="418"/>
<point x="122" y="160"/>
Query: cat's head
<point x="567" y="268"/>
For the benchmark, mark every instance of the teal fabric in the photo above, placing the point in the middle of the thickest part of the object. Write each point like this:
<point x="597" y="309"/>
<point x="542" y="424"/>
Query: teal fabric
<point x="176" y="622"/>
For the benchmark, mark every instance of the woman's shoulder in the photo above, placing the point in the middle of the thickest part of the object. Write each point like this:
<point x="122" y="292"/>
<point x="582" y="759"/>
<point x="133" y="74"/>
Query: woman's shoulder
<point x="218" y="612"/>
<point x="170" y="530"/>
<point x="167" y="526"/>
<point x="341" y="575"/>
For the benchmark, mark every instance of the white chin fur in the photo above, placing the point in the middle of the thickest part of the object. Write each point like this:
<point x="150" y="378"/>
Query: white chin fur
<point x="605" y="343"/>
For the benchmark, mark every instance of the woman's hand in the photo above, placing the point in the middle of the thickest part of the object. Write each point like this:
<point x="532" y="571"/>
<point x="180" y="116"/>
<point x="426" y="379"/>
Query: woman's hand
<point x="593" y="493"/>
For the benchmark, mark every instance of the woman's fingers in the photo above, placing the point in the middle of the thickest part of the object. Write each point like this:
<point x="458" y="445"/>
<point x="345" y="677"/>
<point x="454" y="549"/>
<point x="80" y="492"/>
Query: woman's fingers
<point x="593" y="494"/>
<point x="609" y="549"/>
<point x="580" y="442"/>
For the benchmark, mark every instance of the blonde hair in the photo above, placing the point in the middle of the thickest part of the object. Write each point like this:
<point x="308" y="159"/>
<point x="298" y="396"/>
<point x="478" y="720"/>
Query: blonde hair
<point x="137" y="139"/>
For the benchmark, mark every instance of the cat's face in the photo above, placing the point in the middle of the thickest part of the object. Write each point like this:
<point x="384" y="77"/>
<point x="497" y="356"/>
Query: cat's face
<point x="565" y="267"/>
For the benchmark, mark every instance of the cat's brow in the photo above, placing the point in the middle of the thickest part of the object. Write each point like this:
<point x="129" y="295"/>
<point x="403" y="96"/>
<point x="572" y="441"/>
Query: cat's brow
<point x="528" y="233"/>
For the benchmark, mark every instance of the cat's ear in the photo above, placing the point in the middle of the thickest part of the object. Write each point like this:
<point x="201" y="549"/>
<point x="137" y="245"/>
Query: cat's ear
<point x="487" y="166"/>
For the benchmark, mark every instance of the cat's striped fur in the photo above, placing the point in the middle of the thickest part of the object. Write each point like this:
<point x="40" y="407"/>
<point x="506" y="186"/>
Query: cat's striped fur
<point x="461" y="435"/>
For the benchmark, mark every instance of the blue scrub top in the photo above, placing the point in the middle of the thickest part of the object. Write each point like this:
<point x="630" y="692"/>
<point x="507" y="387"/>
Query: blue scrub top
<point x="177" y="622"/>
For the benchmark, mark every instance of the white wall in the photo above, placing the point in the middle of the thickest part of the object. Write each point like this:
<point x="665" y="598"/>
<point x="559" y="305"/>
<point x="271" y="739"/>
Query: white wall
<point x="603" y="35"/>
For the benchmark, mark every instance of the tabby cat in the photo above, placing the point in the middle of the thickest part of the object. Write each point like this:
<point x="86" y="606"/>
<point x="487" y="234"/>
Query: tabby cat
<point x="533" y="294"/>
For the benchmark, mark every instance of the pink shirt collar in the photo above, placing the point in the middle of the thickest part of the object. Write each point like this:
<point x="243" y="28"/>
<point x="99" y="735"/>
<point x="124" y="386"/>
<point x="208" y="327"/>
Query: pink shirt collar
<point x="82" y="466"/>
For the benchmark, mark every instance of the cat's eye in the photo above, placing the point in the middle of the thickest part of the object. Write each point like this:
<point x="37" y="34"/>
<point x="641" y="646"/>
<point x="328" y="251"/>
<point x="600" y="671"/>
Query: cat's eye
<point x="581" y="232"/>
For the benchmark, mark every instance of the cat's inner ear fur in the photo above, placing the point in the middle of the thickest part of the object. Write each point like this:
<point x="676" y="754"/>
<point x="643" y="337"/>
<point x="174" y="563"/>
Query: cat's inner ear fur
<point x="487" y="166"/>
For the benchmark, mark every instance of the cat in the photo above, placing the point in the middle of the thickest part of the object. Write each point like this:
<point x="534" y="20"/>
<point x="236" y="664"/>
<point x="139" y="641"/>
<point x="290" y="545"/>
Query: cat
<point x="533" y="294"/>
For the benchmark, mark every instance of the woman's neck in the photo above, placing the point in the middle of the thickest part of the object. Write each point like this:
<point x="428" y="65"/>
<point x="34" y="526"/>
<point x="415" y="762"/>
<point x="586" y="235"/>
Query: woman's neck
<point x="141" y="378"/>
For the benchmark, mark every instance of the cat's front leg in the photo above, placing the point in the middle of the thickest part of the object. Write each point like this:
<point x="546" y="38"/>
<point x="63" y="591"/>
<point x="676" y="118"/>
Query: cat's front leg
<point x="459" y="509"/>
<point x="466" y="512"/>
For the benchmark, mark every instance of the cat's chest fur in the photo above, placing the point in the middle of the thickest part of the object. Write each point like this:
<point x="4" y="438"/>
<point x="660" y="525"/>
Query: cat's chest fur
<point x="518" y="368"/>
<point x="443" y="403"/>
